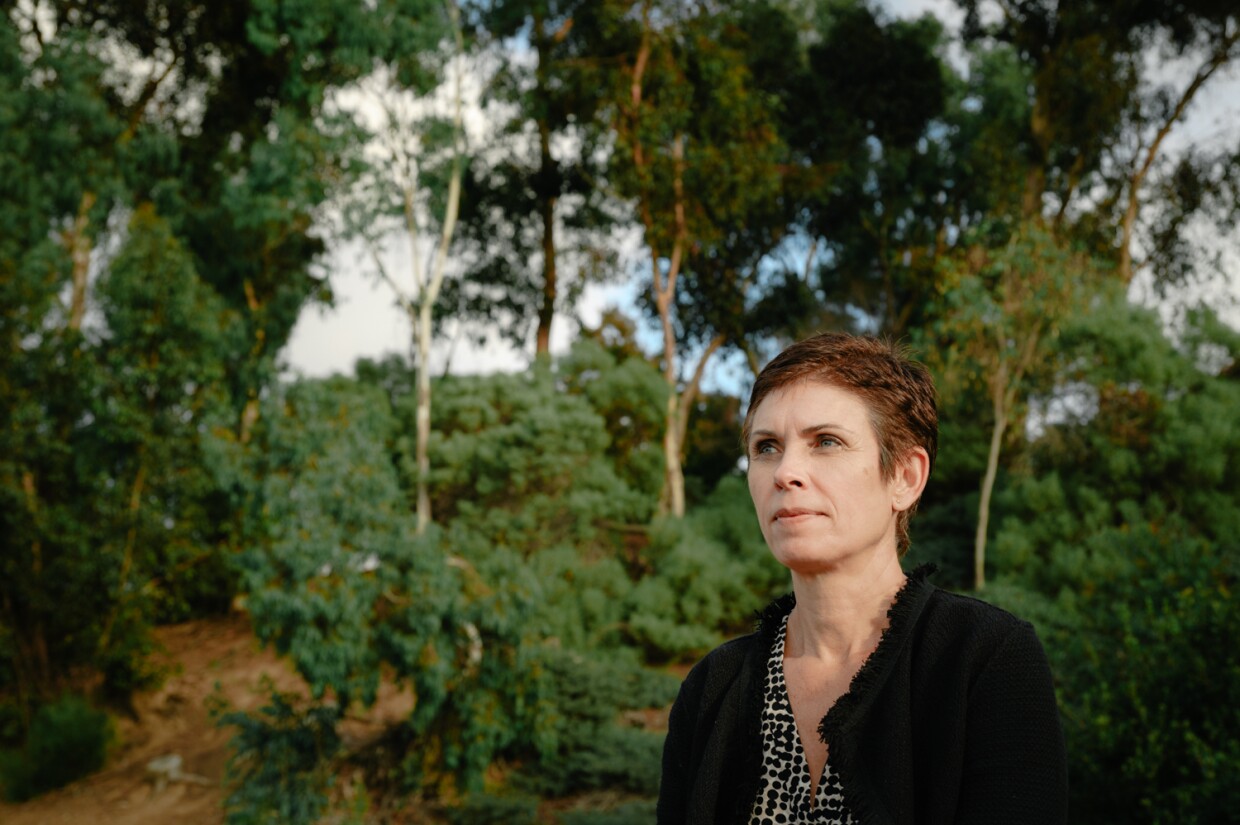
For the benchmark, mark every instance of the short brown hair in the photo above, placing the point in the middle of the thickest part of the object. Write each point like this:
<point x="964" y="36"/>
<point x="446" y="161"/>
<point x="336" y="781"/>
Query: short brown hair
<point x="898" y="392"/>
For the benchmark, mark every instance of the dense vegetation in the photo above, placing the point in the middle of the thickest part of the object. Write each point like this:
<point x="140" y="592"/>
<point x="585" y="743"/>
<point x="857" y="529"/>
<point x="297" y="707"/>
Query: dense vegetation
<point x="533" y="556"/>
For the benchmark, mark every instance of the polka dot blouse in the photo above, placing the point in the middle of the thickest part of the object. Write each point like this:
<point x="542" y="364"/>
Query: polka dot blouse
<point x="784" y="794"/>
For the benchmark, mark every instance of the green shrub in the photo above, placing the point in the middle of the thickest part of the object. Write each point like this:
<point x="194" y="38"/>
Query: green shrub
<point x="581" y="740"/>
<point x="280" y="769"/>
<point x="1153" y="695"/>
<point x="1148" y="676"/>
<point x="712" y="572"/>
<point x="68" y="739"/>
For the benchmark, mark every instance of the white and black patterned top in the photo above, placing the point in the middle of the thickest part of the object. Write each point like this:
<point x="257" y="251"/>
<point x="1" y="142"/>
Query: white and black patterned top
<point x="784" y="795"/>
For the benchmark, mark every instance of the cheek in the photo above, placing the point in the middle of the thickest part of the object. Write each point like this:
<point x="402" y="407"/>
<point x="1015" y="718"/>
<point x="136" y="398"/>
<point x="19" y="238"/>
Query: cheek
<point x="753" y="493"/>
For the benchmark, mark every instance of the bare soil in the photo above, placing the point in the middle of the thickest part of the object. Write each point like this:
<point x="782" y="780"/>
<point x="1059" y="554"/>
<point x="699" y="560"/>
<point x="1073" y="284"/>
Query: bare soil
<point x="209" y="662"/>
<point x="217" y="658"/>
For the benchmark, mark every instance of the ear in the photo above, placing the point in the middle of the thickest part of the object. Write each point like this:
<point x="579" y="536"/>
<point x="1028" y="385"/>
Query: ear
<point x="912" y="473"/>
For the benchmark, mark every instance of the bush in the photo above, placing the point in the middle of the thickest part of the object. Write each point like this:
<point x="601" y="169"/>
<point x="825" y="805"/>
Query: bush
<point x="581" y="741"/>
<point x="712" y="573"/>
<point x="68" y="739"/>
<point x="1153" y="694"/>
<point x="1148" y="676"/>
<point x="280" y="769"/>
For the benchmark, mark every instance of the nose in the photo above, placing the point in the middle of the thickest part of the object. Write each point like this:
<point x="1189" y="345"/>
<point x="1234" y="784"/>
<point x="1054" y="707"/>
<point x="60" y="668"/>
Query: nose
<point x="790" y="472"/>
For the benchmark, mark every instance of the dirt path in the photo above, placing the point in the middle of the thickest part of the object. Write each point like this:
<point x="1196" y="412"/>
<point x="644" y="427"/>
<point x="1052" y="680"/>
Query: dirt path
<point x="171" y="720"/>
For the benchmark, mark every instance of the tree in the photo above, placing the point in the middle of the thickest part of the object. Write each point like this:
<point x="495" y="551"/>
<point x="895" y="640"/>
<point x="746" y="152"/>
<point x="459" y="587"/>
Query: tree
<point x="695" y="151"/>
<point x="1115" y="539"/>
<point x="414" y="181"/>
<point x="537" y="217"/>
<point x="1003" y="308"/>
<point x="1097" y="121"/>
<point x="868" y="116"/>
<point x="163" y="166"/>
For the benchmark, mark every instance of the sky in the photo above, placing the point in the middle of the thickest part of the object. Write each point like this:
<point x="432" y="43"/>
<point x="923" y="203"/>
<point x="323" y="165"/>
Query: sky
<point x="366" y="322"/>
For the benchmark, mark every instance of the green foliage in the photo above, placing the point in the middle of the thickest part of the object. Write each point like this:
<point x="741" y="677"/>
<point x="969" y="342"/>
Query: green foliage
<point x="338" y="581"/>
<point x="1158" y="707"/>
<point x="1120" y="544"/>
<point x="162" y="167"/>
<point x="488" y="809"/>
<point x="68" y="739"/>
<point x="164" y="170"/>
<point x="631" y="396"/>
<point x="280" y="768"/>
<point x="629" y="813"/>
<point x="1147" y="678"/>
<point x="710" y="574"/>
<point x="1149" y="443"/>
<point x="580" y="746"/>
<point x="523" y="463"/>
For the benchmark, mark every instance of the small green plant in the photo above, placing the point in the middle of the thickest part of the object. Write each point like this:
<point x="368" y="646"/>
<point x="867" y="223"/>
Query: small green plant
<point x="68" y="739"/>
<point x="280" y="769"/>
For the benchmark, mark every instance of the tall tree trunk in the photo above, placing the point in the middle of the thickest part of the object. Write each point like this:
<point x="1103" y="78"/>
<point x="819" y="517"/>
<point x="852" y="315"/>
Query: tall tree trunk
<point x="250" y="412"/>
<point x="1035" y="174"/>
<point x="423" y="417"/>
<point x="79" y="245"/>
<point x="547" y="174"/>
<point x="689" y="396"/>
<point x="998" y="395"/>
<point x="32" y="661"/>
<point x="430" y="291"/>
<point x="1221" y="55"/>
<point x="672" y="498"/>
<point x="131" y="541"/>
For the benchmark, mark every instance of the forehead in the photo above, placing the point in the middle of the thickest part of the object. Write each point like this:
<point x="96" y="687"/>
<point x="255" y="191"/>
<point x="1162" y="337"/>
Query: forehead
<point x="809" y="403"/>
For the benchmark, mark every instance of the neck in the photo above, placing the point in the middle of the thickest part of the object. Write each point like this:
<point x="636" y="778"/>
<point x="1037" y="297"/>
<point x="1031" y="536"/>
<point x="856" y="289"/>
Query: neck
<point x="842" y="614"/>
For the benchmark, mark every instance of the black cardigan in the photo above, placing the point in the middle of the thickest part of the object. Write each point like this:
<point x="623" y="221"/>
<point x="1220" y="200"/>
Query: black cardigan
<point x="952" y="719"/>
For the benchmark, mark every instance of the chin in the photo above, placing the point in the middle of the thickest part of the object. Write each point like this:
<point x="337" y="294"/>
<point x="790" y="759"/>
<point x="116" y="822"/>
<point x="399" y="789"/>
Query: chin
<point x="811" y="558"/>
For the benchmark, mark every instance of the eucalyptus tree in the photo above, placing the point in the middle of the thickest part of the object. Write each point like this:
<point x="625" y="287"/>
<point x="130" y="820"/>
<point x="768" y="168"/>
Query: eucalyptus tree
<point x="411" y="184"/>
<point x="866" y="112"/>
<point x="1000" y="312"/>
<point x="696" y="150"/>
<point x="537" y="218"/>
<point x="1101" y="107"/>
<point x="163" y="169"/>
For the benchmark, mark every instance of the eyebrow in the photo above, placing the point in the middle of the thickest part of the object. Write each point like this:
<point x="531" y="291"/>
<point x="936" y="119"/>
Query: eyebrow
<point x="805" y="431"/>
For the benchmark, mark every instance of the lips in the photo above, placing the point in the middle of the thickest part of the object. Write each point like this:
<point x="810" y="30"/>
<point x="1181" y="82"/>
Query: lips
<point x="793" y="512"/>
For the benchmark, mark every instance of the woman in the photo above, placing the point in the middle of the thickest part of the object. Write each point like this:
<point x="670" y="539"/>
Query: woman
<point x="867" y="696"/>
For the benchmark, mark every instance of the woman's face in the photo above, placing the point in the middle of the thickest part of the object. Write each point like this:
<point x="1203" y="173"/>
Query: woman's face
<point x="815" y="480"/>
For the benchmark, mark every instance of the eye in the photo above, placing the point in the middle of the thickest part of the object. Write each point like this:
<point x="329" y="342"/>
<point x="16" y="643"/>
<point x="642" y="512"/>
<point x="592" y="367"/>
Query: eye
<point x="764" y="447"/>
<point x="827" y="441"/>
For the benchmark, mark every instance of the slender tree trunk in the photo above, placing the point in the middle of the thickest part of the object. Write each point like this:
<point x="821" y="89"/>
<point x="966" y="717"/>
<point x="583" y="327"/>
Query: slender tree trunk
<point x="250" y="412"/>
<point x="423" y="417"/>
<point x="547" y="174"/>
<point x="79" y="246"/>
<point x="1035" y="174"/>
<point x="751" y="358"/>
<point x="1128" y="224"/>
<point x="430" y="292"/>
<point x="32" y="661"/>
<point x="690" y="394"/>
<point x="672" y="499"/>
<point x="998" y="398"/>
<point x="131" y="541"/>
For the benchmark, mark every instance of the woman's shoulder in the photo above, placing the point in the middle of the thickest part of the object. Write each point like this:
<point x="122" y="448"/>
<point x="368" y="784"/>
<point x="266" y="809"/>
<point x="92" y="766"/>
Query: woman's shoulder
<point x="736" y="657"/>
<point x="946" y="606"/>
<point x="970" y="627"/>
